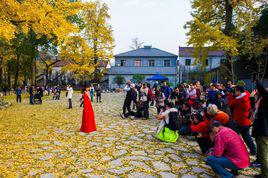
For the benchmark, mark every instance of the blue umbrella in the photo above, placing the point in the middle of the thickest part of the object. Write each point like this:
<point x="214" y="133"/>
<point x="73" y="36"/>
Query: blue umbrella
<point x="158" y="77"/>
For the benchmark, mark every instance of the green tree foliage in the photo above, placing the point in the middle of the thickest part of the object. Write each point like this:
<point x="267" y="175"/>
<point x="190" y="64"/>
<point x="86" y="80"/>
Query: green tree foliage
<point x="119" y="80"/>
<point x="138" y="78"/>
<point x="218" y="25"/>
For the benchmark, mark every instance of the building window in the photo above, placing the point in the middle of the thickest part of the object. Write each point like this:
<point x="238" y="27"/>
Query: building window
<point x="166" y="63"/>
<point x="151" y="63"/>
<point x="137" y="63"/>
<point x="206" y="62"/>
<point x="123" y="63"/>
<point x="187" y="62"/>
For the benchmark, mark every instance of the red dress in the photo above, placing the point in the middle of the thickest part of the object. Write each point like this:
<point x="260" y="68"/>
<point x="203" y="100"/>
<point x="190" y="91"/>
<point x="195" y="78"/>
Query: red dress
<point x="88" y="119"/>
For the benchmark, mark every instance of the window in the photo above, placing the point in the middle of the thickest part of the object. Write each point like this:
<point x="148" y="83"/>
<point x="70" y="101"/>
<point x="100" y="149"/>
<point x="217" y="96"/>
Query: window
<point x="151" y="63"/>
<point x="123" y="63"/>
<point x="166" y="63"/>
<point x="206" y="62"/>
<point x="137" y="63"/>
<point x="187" y="62"/>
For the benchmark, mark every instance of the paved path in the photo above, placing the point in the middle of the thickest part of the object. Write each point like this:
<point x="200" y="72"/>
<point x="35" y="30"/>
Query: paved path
<point x="44" y="140"/>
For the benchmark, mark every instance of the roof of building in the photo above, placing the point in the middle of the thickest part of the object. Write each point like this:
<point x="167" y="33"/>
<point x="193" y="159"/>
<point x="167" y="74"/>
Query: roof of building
<point x="188" y="52"/>
<point x="146" y="51"/>
<point x="62" y="63"/>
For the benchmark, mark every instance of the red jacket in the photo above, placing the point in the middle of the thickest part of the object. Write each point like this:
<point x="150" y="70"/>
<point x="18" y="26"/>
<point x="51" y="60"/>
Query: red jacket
<point x="201" y="127"/>
<point x="222" y="117"/>
<point x="230" y="145"/>
<point x="240" y="107"/>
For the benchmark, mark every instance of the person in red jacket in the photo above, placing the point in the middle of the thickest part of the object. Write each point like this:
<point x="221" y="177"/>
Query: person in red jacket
<point x="201" y="128"/>
<point x="229" y="152"/>
<point x="215" y="114"/>
<point x="240" y="108"/>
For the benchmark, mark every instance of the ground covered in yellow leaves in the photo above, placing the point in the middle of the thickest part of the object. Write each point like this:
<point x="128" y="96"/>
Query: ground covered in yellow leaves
<point x="44" y="140"/>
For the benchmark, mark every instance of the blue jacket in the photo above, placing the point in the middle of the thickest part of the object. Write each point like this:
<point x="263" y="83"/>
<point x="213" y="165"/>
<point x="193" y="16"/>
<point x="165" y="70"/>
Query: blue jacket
<point x="18" y="92"/>
<point x="166" y="90"/>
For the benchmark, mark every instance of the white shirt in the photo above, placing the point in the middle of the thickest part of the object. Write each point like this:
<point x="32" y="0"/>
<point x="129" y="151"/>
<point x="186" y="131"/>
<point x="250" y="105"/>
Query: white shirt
<point x="70" y="92"/>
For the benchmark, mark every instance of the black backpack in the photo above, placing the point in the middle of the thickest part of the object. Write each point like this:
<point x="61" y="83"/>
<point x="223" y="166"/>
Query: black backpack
<point x="174" y="122"/>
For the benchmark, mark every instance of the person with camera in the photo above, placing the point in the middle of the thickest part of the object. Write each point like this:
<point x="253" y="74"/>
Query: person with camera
<point x="200" y="128"/>
<point x="185" y="117"/>
<point x="215" y="114"/>
<point x="229" y="152"/>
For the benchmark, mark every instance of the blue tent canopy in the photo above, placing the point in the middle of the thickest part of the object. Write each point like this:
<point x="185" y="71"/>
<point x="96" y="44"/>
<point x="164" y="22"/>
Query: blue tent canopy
<point x="158" y="77"/>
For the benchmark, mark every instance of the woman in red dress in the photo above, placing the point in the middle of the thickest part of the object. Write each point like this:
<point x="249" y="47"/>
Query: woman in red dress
<point x="88" y="119"/>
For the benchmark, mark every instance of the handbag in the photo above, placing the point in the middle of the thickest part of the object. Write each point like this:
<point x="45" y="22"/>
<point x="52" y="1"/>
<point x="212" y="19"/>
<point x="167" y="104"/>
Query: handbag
<point x="167" y="135"/>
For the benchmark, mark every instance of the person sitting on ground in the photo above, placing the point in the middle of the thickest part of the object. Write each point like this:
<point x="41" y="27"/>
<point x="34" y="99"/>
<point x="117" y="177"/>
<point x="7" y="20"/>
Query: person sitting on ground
<point x="215" y="114"/>
<point x="185" y="116"/>
<point x="201" y="130"/>
<point x="229" y="151"/>
<point x="167" y="130"/>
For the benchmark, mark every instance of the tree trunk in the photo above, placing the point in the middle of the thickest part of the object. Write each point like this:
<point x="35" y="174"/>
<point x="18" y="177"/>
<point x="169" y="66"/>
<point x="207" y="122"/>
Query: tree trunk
<point x="232" y="70"/>
<point x="17" y="72"/>
<point x="228" y="18"/>
<point x="265" y="63"/>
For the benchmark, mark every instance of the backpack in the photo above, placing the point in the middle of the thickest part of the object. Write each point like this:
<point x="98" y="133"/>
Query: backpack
<point x="174" y="122"/>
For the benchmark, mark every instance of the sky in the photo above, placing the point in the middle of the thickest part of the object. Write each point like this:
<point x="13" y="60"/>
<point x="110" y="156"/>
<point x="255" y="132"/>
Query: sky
<point x="155" y="22"/>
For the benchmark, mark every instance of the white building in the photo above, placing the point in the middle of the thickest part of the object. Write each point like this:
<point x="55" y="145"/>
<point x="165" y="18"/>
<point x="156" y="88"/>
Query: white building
<point x="186" y="63"/>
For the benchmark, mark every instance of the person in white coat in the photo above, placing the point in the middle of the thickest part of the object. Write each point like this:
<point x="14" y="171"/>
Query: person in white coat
<point x="70" y="92"/>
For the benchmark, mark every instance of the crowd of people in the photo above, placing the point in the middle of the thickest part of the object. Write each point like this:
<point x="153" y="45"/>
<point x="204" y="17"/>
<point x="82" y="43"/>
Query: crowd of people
<point x="216" y="116"/>
<point x="36" y="93"/>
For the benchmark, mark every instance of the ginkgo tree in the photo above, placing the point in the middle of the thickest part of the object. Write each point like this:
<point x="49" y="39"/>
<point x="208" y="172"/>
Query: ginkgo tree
<point x="218" y="24"/>
<point x="33" y="21"/>
<point x="93" y="43"/>
<point x="78" y="55"/>
<point x="98" y="32"/>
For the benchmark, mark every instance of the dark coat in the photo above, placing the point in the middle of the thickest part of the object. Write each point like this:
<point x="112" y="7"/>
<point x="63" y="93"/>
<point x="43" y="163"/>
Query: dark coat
<point x="260" y="125"/>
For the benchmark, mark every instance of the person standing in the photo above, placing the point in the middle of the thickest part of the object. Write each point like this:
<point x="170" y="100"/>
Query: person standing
<point x="31" y="93"/>
<point x="145" y="100"/>
<point x="92" y="90"/>
<point x="260" y="129"/>
<point x="213" y="96"/>
<point x="88" y="118"/>
<point x="18" y="94"/>
<point x="40" y="94"/>
<point x="98" y="92"/>
<point x="166" y="90"/>
<point x="58" y="92"/>
<point x="240" y="107"/>
<point x="70" y="92"/>
<point x="128" y="100"/>
<point x="229" y="152"/>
